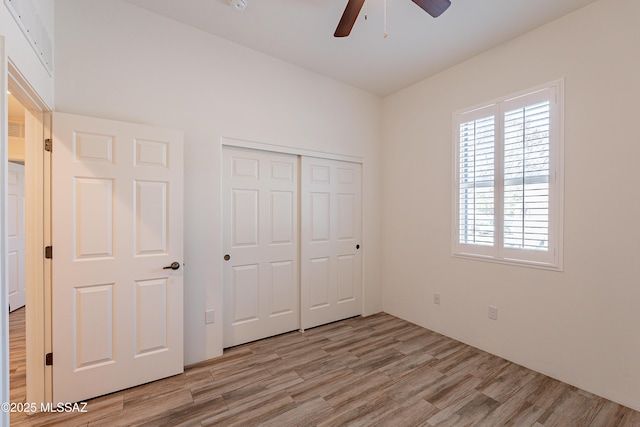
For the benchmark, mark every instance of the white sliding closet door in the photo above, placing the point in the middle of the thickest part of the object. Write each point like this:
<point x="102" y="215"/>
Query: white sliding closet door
<point x="331" y="272"/>
<point x="260" y="240"/>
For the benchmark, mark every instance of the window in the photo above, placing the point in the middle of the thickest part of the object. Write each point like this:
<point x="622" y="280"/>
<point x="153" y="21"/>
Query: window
<point x="508" y="179"/>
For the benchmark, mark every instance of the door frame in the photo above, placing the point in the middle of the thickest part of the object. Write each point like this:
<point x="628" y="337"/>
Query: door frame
<point x="239" y="143"/>
<point x="37" y="208"/>
<point x="262" y="146"/>
<point x="4" y="295"/>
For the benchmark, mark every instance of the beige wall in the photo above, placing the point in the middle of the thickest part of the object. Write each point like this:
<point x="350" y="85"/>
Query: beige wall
<point x="117" y="61"/>
<point x="581" y="325"/>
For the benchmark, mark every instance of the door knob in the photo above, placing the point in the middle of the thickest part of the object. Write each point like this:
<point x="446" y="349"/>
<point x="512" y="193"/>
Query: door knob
<point x="174" y="266"/>
<point x="227" y="257"/>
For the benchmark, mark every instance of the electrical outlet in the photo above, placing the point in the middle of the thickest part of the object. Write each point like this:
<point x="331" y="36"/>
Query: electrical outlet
<point x="210" y="316"/>
<point x="436" y="298"/>
<point x="493" y="312"/>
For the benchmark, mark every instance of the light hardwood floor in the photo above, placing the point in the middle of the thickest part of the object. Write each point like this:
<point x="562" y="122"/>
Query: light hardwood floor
<point x="374" y="371"/>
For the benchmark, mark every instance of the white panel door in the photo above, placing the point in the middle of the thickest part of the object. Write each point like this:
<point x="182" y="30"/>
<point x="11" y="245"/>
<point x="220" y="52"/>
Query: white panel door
<point x="15" y="232"/>
<point x="260" y="242"/>
<point x="331" y="266"/>
<point x="117" y="223"/>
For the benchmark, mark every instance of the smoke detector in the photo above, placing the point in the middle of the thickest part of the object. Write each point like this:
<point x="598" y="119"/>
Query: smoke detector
<point x="238" y="5"/>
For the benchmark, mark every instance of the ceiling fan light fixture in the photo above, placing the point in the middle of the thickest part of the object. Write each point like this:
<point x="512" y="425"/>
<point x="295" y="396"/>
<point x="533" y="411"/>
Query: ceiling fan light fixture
<point x="238" y="5"/>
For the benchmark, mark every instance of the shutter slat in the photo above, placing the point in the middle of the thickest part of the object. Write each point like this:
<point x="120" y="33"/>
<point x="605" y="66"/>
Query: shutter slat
<point x="476" y="181"/>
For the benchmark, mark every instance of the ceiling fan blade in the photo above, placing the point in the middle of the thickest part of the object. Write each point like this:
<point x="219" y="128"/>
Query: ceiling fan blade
<point x="349" y="17"/>
<point x="434" y="8"/>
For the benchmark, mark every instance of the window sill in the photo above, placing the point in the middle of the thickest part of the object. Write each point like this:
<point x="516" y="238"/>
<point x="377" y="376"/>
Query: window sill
<point x="515" y="262"/>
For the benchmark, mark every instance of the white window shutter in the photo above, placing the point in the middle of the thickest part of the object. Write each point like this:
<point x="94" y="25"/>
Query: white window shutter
<point x="526" y="177"/>
<point x="476" y="181"/>
<point x="509" y="179"/>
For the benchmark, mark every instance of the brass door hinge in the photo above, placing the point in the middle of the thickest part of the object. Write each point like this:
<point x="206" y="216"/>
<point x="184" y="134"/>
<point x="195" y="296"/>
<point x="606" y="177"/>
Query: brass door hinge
<point x="48" y="359"/>
<point x="48" y="145"/>
<point x="48" y="252"/>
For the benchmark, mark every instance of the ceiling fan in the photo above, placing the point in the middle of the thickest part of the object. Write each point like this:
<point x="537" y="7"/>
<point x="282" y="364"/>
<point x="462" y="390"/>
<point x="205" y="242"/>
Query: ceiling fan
<point x="434" y="8"/>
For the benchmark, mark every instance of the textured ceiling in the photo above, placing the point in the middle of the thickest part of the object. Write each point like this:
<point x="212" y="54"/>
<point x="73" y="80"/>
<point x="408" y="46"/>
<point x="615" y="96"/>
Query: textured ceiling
<point x="417" y="46"/>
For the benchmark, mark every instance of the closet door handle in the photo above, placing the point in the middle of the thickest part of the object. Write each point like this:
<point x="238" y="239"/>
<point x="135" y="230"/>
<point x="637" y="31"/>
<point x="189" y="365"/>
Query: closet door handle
<point x="227" y="257"/>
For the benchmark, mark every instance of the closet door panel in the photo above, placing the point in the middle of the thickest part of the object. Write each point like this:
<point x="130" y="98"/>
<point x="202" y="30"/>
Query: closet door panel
<point x="260" y="241"/>
<point x="331" y="256"/>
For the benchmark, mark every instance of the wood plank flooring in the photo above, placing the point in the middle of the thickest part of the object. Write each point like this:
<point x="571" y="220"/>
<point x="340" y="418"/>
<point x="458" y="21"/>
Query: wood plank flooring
<point x="373" y="371"/>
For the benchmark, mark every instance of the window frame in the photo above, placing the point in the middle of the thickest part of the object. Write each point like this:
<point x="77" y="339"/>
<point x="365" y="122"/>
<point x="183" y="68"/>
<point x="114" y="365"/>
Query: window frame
<point x="552" y="258"/>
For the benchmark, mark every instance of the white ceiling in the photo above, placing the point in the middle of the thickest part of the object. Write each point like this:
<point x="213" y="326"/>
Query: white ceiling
<point x="418" y="46"/>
